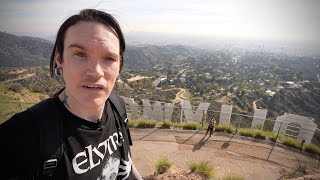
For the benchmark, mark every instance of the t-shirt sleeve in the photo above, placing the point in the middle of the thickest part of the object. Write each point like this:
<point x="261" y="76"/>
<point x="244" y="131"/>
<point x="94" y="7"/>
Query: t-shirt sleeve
<point x="19" y="145"/>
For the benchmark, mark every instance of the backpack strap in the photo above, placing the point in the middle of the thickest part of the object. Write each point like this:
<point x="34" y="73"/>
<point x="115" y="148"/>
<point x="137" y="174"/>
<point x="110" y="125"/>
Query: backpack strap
<point x="51" y="139"/>
<point x="120" y="108"/>
<point x="52" y="146"/>
<point x="119" y="104"/>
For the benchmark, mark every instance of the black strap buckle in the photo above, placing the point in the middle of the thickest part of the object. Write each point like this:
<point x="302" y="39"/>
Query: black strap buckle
<point x="49" y="166"/>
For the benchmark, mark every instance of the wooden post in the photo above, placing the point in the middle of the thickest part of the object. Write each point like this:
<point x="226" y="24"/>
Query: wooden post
<point x="21" y="107"/>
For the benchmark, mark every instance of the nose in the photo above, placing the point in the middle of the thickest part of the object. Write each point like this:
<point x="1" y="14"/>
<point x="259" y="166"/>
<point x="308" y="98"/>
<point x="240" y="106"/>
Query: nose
<point x="95" y="69"/>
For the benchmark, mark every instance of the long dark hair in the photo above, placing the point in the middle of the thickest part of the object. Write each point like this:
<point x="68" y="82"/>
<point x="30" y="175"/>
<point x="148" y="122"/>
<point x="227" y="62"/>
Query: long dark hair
<point x="89" y="15"/>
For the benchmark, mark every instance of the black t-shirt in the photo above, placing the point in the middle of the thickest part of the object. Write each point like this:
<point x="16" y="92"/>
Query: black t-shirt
<point x="90" y="150"/>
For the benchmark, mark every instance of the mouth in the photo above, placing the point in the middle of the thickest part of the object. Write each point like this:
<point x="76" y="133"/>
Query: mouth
<point x="93" y="86"/>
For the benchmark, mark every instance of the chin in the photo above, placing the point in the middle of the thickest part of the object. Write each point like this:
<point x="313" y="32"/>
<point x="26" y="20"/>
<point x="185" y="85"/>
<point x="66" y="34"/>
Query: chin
<point x="94" y="103"/>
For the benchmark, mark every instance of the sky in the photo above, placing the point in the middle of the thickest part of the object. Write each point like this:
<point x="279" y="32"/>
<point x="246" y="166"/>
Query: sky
<point x="286" y="20"/>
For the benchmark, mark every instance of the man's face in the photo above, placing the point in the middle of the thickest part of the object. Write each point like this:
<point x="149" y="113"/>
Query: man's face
<point x="90" y="62"/>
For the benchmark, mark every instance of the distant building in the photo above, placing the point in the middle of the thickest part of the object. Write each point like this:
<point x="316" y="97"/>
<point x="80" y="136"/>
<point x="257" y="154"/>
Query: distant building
<point x="280" y="87"/>
<point x="290" y="82"/>
<point x="157" y="82"/>
<point x="270" y="93"/>
<point x="230" y="95"/>
<point x="183" y="80"/>
<point x="163" y="79"/>
<point x="297" y="86"/>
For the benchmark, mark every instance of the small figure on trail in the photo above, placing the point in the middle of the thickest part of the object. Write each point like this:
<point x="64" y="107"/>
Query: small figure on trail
<point x="211" y="126"/>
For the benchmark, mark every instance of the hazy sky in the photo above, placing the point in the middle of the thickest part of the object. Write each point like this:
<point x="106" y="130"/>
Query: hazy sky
<point x="257" y="19"/>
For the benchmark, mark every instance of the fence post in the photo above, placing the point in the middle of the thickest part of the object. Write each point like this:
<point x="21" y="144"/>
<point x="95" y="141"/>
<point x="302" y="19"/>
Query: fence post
<point x="164" y="112"/>
<point x="181" y="115"/>
<point x="20" y="104"/>
<point x="274" y="142"/>
<point x="278" y="132"/>
<point x="202" y="118"/>
<point x="238" y="126"/>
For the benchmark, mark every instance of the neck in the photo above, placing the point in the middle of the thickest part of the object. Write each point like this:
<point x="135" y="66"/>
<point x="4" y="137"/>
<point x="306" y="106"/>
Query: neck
<point x="89" y="114"/>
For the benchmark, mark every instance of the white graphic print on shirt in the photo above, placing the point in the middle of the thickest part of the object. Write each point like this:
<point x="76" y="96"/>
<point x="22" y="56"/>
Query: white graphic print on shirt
<point x="125" y="167"/>
<point x="110" y="169"/>
<point x="113" y="166"/>
<point x="81" y="159"/>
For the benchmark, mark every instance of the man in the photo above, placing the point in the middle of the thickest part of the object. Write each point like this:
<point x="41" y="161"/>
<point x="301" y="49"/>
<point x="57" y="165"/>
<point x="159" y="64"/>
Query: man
<point x="88" y="54"/>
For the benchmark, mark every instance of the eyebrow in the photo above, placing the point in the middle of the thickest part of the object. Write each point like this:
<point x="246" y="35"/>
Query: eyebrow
<point x="75" y="45"/>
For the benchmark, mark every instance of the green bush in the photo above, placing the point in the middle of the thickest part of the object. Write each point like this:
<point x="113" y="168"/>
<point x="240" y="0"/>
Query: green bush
<point x="131" y="123"/>
<point x="16" y="87"/>
<point x="166" y="124"/>
<point x="219" y="128"/>
<point x="176" y="125"/>
<point x="202" y="168"/>
<point x="191" y="126"/>
<point x="204" y="126"/>
<point x="145" y="124"/>
<point x="246" y="132"/>
<point x="162" y="165"/>
<point x="225" y="128"/>
<point x="290" y="142"/>
<point x="270" y="135"/>
<point x="259" y="134"/>
<point x="232" y="177"/>
<point x="311" y="148"/>
<point x="230" y="129"/>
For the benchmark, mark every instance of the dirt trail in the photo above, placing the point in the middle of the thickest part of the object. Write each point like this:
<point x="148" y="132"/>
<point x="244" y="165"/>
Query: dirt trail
<point x="179" y="95"/>
<point x="20" y="78"/>
<point x="136" y="78"/>
<point x="254" y="105"/>
<point x="17" y="71"/>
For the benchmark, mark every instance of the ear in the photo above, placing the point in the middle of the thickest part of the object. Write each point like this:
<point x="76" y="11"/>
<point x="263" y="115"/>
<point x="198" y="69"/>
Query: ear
<point x="57" y="58"/>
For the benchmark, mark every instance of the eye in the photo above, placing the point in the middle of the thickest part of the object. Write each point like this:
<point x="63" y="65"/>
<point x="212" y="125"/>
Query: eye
<point x="80" y="54"/>
<point x="110" y="59"/>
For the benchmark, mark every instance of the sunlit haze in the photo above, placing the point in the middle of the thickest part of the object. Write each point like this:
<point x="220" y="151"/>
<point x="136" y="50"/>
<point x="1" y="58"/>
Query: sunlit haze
<point x="284" y="20"/>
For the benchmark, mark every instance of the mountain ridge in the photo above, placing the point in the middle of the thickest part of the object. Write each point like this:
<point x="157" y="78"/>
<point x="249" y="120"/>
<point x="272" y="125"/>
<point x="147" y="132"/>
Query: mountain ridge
<point x="19" y="51"/>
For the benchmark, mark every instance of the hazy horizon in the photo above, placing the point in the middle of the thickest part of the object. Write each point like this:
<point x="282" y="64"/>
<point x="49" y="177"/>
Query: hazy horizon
<point x="208" y="42"/>
<point x="281" y="20"/>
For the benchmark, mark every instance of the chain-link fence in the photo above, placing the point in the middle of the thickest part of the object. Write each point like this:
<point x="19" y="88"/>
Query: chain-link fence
<point x="179" y="114"/>
<point x="288" y="129"/>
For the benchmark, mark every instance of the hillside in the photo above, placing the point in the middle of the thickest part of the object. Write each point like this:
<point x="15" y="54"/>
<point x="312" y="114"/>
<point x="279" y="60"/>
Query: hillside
<point x="236" y="77"/>
<point x="19" y="51"/>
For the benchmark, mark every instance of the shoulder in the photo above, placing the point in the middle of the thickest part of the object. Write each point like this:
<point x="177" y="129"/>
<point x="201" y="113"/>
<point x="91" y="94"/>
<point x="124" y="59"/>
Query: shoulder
<point x="28" y="117"/>
<point x="27" y="114"/>
<point x="47" y="104"/>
